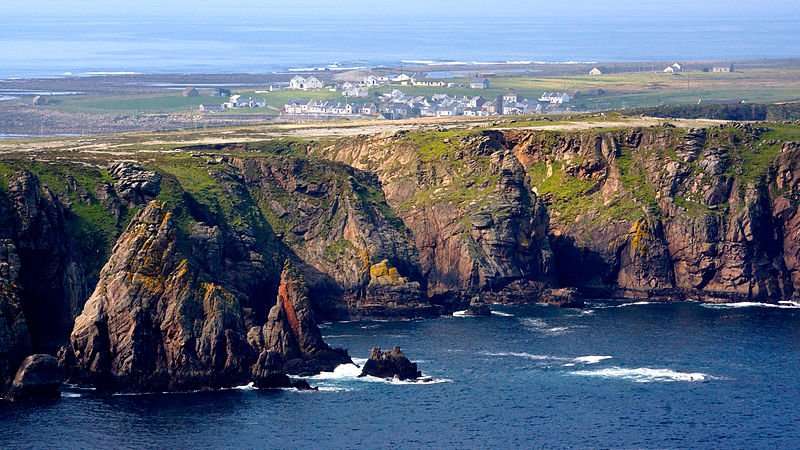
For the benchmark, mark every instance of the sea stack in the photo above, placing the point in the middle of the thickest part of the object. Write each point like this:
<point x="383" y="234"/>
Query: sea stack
<point x="291" y="334"/>
<point x="391" y="364"/>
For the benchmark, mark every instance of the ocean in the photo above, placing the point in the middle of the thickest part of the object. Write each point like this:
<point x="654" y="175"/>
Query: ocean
<point x="50" y="47"/>
<point x="635" y="375"/>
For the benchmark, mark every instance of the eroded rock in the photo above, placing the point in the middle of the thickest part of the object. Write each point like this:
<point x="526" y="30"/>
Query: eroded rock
<point x="391" y="364"/>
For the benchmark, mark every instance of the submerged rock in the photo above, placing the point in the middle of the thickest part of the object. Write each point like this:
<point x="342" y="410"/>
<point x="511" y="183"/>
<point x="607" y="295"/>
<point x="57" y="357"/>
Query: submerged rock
<point x="391" y="364"/>
<point x="38" y="378"/>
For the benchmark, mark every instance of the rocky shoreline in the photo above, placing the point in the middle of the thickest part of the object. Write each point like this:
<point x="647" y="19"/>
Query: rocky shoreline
<point x="209" y="268"/>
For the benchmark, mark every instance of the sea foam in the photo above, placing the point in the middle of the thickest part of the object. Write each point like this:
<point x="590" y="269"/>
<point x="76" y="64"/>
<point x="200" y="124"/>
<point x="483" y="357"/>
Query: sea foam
<point x="589" y="359"/>
<point x="736" y="305"/>
<point x="645" y="374"/>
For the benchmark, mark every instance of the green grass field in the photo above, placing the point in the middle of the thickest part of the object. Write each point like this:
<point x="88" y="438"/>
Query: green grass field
<point x="605" y="92"/>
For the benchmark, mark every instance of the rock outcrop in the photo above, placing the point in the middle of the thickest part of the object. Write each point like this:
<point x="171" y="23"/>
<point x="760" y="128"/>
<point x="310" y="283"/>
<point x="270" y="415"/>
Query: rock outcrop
<point x="391" y="364"/>
<point x="39" y="378"/>
<point x="291" y="340"/>
<point x="155" y="322"/>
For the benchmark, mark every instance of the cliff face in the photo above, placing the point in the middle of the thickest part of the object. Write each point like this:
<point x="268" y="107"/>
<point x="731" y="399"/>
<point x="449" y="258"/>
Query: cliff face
<point x="667" y="212"/>
<point x="157" y="322"/>
<point x="464" y="196"/>
<point x="335" y="222"/>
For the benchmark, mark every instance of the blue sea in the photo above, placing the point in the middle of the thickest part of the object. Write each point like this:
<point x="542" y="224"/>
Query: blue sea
<point x="634" y="375"/>
<point x="54" y="46"/>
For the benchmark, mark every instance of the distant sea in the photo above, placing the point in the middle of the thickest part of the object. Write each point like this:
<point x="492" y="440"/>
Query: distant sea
<point x="56" y="46"/>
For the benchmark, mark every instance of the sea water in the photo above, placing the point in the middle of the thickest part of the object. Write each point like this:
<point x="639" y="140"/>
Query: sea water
<point x="633" y="375"/>
<point x="196" y="43"/>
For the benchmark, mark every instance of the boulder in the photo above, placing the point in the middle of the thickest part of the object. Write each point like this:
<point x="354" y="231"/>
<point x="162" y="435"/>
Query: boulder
<point x="478" y="308"/>
<point x="39" y="377"/>
<point x="564" y="298"/>
<point x="391" y="364"/>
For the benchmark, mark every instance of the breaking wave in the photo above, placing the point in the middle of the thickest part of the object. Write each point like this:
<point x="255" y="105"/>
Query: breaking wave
<point x="542" y="327"/>
<point x="645" y="375"/>
<point x="736" y="305"/>
<point x="494" y="313"/>
<point x="590" y="359"/>
<point x="351" y="372"/>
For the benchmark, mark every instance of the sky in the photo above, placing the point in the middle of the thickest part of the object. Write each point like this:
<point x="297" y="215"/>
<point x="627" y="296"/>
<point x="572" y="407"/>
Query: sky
<point x="422" y="8"/>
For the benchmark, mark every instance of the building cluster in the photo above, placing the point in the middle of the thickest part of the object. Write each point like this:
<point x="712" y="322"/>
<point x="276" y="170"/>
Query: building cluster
<point x="361" y="87"/>
<point x="398" y="105"/>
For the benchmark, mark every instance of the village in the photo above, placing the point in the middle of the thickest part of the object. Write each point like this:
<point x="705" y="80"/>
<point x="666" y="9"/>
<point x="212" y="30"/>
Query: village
<point x="383" y="96"/>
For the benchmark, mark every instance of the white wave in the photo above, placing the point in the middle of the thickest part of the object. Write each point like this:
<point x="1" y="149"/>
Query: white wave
<point x="633" y="304"/>
<point x="332" y="389"/>
<point x="526" y="356"/>
<point x="645" y="374"/>
<point x="501" y="314"/>
<point x="71" y="395"/>
<point x="338" y="336"/>
<point x="460" y="313"/>
<point x="351" y="372"/>
<point x="590" y="359"/>
<point x="540" y="326"/>
<point x="736" y="305"/>
<point x="247" y="387"/>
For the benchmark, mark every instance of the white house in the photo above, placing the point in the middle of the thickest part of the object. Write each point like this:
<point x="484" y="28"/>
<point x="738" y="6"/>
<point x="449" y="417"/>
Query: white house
<point x="510" y="97"/>
<point x="555" y="98"/>
<point x="595" y="72"/>
<point x="303" y="84"/>
<point x="669" y="69"/>
<point x="479" y="83"/>
<point x="677" y="67"/>
<point x="402" y="79"/>
<point x="348" y="90"/>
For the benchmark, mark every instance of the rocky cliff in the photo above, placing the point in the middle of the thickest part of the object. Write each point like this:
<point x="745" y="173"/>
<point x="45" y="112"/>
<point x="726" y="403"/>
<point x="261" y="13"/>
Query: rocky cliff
<point x="464" y="195"/>
<point x="174" y="262"/>
<point x="155" y="320"/>
<point x="666" y="212"/>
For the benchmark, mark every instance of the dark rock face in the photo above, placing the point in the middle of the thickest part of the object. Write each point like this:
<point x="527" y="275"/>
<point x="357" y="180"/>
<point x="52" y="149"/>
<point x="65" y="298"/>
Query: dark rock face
<point x="391" y="364"/>
<point x="268" y="373"/>
<point x="292" y="342"/>
<point x="334" y="219"/>
<point x="38" y="377"/>
<point x="53" y="282"/>
<point x="155" y="322"/>
<point x="14" y="337"/>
